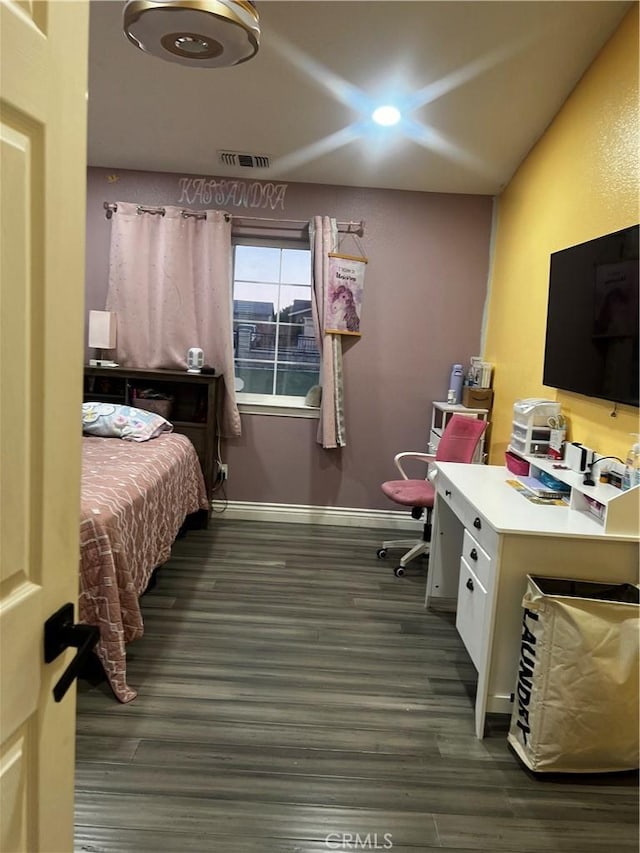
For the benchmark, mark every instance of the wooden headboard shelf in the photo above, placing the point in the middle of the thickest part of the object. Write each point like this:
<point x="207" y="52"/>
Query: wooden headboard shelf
<point x="196" y="406"/>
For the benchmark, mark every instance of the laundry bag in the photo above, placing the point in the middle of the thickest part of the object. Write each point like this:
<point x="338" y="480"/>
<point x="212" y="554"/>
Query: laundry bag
<point x="576" y="698"/>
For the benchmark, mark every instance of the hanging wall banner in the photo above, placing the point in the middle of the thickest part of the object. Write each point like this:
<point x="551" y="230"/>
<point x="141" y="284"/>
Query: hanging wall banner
<point x="343" y="303"/>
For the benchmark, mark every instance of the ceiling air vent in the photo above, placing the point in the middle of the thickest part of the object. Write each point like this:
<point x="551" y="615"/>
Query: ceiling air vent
<point x="249" y="161"/>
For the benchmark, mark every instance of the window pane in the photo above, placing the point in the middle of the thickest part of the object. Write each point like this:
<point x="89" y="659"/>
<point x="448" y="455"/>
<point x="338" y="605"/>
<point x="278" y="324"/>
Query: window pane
<point x="257" y="263"/>
<point x="254" y="340"/>
<point x="306" y="348"/>
<point x="295" y="303"/>
<point x="295" y="381"/>
<point x="294" y="345"/>
<point x="296" y="266"/>
<point x="258" y="379"/>
<point x="254" y="302"/>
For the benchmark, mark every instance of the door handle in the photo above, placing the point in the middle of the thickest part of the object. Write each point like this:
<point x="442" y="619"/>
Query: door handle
<point x="477" y="523"/>
<point x="447" y="493"/>
<point x="469" y="585"/>
<point x="473" y="554"/>
<point x="60" y="633"/>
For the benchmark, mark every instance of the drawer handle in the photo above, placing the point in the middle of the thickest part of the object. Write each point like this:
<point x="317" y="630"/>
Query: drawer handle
<point x="469" y="585"/>
<point x="477" y="523"/>
<point x="447" y="493"/>
<point x="473" y="554"/>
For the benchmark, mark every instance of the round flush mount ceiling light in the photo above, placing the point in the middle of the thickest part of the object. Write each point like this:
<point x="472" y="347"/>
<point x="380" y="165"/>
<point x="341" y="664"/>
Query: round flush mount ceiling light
<point x="197" y="33"/>
<point x="386" y="116"/>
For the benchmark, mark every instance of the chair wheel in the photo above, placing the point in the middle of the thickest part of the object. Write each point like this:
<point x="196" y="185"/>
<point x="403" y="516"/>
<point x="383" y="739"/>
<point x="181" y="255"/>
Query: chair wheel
<point x="399" y="572"/>
<point x="382" y="553"/>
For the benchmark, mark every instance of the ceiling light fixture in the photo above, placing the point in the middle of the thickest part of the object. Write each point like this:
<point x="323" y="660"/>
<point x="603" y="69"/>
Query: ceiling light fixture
<point x="196" y="33"/>
<point x="386" y="116"/>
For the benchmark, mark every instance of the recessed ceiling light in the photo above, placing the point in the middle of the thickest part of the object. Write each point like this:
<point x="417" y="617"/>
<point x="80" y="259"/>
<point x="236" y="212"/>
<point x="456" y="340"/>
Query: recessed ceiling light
<point x="386" y="116"/>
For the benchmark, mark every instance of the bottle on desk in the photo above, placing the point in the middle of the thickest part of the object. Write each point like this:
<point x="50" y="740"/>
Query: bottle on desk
<point x="455" y="384"/>
<point x="631" y="476"/>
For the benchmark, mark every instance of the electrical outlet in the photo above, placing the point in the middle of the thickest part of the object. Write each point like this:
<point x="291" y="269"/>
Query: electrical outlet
<point x="224" y="471"/>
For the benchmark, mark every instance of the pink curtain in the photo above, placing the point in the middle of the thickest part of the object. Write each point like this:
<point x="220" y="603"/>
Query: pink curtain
<point x="170" y="287"/>
<point x="323" y="237"/>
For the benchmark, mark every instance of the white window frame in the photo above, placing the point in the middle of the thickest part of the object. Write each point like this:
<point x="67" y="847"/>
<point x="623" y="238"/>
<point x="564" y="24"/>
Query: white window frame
<point x="279" y="405"/>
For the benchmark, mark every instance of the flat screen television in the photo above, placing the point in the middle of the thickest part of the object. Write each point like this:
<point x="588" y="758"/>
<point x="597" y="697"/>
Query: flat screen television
<point x="593" y="318"/>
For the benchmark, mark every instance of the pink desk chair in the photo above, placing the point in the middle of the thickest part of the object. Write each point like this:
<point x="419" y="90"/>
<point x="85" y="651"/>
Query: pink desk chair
<point x="458" y="444"/>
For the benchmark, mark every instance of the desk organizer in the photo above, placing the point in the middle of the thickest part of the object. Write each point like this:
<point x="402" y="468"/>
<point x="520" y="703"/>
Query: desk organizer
<point x="530" y="430"/>
<point x="616" y="511"/>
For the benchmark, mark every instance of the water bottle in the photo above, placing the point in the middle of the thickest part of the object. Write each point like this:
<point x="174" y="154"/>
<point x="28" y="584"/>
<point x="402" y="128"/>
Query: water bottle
<point x="631" y="476"/>
<point x="455" y="384"/>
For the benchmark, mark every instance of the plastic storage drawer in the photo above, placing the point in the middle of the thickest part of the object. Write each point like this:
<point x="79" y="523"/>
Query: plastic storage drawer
<point x="530" y="448"/>
<point x="522" y="432"/>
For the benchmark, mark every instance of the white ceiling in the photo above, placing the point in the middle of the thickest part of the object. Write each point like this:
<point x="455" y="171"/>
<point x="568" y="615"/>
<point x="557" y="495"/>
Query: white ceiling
<point x="482" y="80"/>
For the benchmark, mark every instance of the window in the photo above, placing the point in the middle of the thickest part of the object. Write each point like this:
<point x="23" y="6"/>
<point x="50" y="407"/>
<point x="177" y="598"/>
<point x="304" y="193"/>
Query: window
<point x="275" y="352"/>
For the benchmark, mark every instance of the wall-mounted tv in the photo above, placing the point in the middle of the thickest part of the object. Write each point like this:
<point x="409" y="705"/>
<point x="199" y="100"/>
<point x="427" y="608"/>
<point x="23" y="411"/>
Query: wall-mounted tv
<point x="593" y="318"/>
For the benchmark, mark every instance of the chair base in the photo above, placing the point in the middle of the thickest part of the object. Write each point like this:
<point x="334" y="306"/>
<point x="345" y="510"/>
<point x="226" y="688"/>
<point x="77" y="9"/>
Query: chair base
<point x="416" y="549"/>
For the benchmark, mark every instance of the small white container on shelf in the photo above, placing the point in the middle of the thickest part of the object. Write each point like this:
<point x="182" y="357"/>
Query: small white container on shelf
<point x="529" y="446"/>
<point x="533" y="412"/>
<point x="530" y="430"/>
<point x="523" y="433"/>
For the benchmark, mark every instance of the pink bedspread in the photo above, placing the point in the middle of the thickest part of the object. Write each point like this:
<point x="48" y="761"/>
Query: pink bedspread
<point x="135" y="496"/>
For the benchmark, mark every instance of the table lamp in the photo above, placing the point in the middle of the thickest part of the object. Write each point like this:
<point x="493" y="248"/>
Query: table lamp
<point x="102" y="336"/>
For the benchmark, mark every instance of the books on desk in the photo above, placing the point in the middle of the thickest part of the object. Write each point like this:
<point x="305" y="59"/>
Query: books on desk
<point x="558" y="500"/>
<point x="543" y="490"/>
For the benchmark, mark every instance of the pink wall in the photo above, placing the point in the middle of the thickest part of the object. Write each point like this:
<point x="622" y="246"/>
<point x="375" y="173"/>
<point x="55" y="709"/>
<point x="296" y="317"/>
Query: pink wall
<point x="423" y="301"/>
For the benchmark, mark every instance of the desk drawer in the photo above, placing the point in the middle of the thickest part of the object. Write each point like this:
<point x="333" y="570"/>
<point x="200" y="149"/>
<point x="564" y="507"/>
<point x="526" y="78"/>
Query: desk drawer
<point x="478" y="560"/>
<point x="482" y="531"/>
<point x="470" y="615"/>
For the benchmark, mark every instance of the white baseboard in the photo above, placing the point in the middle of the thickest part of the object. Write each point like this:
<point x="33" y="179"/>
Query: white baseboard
<point x="329" y="515"/>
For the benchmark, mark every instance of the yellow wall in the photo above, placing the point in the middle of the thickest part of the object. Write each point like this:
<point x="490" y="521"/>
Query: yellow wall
<point x="580" y="181"/>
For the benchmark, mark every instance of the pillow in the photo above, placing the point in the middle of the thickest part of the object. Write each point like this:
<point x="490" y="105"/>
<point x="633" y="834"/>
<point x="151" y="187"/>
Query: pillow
<point x="111" y="421"/>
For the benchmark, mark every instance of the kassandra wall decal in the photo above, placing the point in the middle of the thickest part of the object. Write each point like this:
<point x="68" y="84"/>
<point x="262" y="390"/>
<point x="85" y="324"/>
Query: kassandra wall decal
<point x="232" y="193"/>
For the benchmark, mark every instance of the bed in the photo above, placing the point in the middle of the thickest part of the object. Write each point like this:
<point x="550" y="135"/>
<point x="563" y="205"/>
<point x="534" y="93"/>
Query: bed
<point x="135" y="497"/>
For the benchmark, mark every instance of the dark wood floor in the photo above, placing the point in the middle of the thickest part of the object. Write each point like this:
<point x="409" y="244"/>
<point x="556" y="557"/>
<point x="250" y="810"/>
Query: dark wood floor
<point x="295" y="697"/>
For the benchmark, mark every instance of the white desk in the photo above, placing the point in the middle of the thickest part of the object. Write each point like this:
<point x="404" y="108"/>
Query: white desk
<point x="486" y="539"/>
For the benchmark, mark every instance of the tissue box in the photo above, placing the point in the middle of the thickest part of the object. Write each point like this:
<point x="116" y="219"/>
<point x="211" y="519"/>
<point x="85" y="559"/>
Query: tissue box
<point x="477" y="398"/>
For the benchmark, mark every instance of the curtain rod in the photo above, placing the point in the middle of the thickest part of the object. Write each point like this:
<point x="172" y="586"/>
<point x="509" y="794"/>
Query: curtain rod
<point x="290" y="224"/>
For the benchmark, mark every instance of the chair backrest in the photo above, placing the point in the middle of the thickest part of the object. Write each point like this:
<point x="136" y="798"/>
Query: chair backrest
<point x="460" y="439"/>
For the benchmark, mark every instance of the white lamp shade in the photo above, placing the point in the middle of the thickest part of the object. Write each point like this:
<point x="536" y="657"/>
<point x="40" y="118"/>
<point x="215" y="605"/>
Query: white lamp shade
<point x="102" y="329"/>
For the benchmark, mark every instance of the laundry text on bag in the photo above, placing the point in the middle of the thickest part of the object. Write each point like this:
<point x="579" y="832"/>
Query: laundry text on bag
<point x="526" y="666"/>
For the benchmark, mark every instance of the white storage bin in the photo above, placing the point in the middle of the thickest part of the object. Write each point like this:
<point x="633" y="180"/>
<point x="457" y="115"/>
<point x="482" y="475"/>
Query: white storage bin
<point x="534" y="412"/>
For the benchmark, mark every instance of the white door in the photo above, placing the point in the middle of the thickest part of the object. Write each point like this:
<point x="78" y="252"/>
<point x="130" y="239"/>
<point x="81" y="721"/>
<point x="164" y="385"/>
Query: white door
<point x="43" y="79"/>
